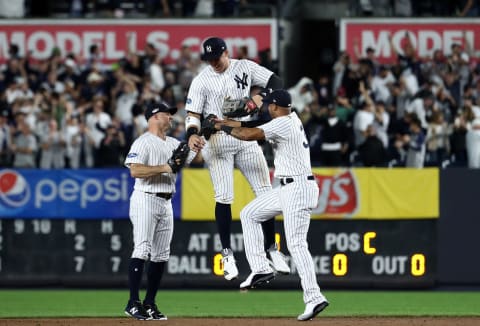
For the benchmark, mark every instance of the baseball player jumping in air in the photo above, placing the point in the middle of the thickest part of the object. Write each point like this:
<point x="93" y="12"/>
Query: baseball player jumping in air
<point x="223" y="83"/>
<point x="295" y="198"/>
<point x="154" y="159"/>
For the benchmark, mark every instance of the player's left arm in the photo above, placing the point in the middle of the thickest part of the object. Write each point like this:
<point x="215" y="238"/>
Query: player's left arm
<point x="142" y="171"/>
<point x="244" y="133"/>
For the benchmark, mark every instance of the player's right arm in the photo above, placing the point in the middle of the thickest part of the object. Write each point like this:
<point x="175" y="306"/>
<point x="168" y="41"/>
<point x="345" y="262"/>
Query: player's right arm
<point x="194" y="107"/>
<point x="193" y="126"/>
<point x="136" y="159"/>
<point x="142" y="171"/>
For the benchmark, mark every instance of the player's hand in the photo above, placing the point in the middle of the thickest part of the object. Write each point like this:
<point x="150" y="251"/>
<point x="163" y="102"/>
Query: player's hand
<point x="196" y="143"/>
<point x="228" y="122"/>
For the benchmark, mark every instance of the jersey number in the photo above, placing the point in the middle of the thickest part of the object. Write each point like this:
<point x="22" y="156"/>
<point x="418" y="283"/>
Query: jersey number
<point x="305" y="140"/>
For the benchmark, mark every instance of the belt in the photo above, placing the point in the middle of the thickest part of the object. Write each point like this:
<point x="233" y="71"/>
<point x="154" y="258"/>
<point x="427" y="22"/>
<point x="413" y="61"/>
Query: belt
<point x="164" y="195"/>
<point x="284" y="181"/>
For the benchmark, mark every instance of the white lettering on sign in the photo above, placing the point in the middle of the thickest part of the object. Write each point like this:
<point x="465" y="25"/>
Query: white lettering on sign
<point x="188" y="265"/>
<point x="236" y="241"/>
<point x="425" y="41"/>
<point x="198" y="242"/>
<point x="342" y="242"/>
<point x="389" y="265"/>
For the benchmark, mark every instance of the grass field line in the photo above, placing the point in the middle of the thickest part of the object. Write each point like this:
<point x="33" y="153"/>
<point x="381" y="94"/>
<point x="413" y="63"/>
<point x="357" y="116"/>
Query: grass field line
<point x="228" y="303"/>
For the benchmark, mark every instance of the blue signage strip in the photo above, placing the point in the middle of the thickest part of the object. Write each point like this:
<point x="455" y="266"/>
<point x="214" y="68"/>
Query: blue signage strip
<point x="83" y="193"/>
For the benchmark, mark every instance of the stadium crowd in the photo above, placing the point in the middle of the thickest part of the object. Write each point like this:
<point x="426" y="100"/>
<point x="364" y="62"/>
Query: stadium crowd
<point x="74" y="112"/>
<point x="66" y="111"/>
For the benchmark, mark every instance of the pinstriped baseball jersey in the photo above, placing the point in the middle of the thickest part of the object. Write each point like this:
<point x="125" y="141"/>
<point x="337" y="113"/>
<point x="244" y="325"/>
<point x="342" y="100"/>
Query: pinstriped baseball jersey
<point x="152" y="216"/>
<point x="295" y="199"/>
<point x="290" y="145"/>
<point x="222" y="152"/>
<point x="209" y="89"/>
<point x="150" y="149"/>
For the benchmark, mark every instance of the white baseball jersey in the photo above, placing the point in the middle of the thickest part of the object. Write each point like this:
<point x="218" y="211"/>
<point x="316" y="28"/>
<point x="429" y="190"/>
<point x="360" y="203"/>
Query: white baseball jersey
<point x="152" y="216"/>
<point x="295" y="199"/>
<point x="222" y="152"/>
<point x="290" y="146"/>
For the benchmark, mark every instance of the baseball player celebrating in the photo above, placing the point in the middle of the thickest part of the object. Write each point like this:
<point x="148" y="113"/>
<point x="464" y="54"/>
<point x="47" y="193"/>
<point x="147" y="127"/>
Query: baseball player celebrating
<point x="224" y="80"/>
<point x="153" y="159"/>
<point x="295" y="198"/>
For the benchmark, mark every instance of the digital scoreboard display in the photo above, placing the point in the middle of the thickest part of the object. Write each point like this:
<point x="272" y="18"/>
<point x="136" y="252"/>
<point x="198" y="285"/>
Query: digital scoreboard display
<point x="346" y="253"/>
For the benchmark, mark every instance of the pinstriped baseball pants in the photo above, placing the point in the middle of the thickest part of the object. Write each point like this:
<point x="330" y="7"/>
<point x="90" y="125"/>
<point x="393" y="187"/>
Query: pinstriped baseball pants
<point x="152" y="221"/>
<point x="295" y="201"/>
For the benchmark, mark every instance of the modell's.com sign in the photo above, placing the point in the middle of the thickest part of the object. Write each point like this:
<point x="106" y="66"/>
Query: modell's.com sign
<point x="388" y="37"/>
<point x="116" y="38"/>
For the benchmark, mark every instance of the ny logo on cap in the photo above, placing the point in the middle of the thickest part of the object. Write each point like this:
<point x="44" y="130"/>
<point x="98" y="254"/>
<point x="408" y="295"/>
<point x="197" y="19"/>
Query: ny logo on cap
<point x="208" y="48"/>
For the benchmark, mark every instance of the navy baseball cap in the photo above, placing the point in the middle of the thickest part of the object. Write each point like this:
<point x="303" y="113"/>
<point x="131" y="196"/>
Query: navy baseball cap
<point x="213" y="48"/>
<point x="154" y="108"/>
<point x="279" y="97"/>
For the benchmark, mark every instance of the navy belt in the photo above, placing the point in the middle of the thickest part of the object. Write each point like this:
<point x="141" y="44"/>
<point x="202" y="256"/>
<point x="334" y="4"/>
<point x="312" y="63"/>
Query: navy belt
<point x="164" y="195"/>
<point x="284" y="181"/>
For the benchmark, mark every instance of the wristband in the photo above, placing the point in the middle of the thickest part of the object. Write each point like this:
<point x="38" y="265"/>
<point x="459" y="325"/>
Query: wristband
<point x="226" y="129"/>
<point x="191" y="131"/>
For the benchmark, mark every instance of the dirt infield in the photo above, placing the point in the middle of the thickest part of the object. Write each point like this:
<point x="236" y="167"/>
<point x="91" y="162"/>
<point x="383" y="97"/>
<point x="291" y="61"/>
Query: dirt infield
<point x="337" y="321"/>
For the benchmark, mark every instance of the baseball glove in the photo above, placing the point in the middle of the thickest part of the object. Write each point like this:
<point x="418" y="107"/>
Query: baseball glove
<point x="239" y="108"/>
<point x="179" y="157"/>
<point x="208" y="126"/>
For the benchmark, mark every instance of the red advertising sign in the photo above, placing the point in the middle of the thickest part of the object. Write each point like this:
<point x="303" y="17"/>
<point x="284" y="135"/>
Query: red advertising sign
<point x="115" y="36"/>
<point x="426" y="35"/>
<point x="338" y="194"/>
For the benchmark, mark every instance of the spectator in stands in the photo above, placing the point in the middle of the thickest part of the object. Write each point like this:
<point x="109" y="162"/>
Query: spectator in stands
<point x="303" y="96"/>
<point x="344" y="108"/>
<point x="24" y="146"/>
<point x="381" y="122"/>
<point x="364" y="117"/>
<point x="125" y="95"/>
<point x="458" y="138"/>
<point x="112" y="147"/>
<point x="422" y="106"/>
<point x="438" y="144"/>
<point x="472" y="119"/>
<point x="339" y="71"/>
<point x="52" y="145"/>
<point x="381" y="84"/>
<point x="323" y="89"/>
<point x="416" y="145"/>
<point x="372" y="151"/>
<point x="97" y="122"/>
<point x="334" y="139"/>
<point x="5" y="139"/>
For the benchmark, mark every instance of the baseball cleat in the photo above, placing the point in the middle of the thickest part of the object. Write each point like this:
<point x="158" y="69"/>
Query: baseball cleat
<point x="312" y="309"/>
<point x="230" y="270"/>
<point x="136" y="310"/>
<point x="153" y="312"/>
<point x="277" y="261"/>
<point x="255" y="279"/>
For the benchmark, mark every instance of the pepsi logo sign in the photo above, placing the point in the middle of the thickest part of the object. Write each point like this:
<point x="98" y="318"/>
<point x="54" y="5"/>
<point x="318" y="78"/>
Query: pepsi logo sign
<point x="14" y="189"/>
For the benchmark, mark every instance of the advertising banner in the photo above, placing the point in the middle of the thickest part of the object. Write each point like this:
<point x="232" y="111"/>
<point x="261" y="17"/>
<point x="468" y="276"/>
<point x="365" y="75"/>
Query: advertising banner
<point x="115" y="38"/>
<point x="353" y="193"/>
<point x="84" y="193"/>
<point x="426" y="35"/>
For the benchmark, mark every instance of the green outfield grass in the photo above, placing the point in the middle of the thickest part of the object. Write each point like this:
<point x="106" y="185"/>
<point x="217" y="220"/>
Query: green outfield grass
<point x="110" y="303"/>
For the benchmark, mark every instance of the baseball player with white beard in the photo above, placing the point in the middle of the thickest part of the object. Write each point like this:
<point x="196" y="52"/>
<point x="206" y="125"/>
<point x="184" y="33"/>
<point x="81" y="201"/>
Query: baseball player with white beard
<point x="222" y="79"/>
<point x="295" y="198"/>
<point x="154" y="159"/>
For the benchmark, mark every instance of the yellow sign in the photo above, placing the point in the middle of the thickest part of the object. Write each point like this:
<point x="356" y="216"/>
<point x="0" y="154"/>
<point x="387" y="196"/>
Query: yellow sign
<point x="361" y="193"/>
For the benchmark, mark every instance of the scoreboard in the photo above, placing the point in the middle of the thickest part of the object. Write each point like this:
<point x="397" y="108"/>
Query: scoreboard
<point x="95" y="252"/>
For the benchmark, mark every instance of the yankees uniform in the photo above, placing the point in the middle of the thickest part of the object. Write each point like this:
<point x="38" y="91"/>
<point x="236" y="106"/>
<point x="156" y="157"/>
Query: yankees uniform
<point x="151" y="210"/>
<point x="225" y="77"/>
<point x="295" y="199"/>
